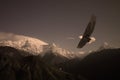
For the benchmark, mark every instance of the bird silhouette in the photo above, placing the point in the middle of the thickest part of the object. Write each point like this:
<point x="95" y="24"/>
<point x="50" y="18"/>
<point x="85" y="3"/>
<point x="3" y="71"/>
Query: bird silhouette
<point x="88" y="31"/>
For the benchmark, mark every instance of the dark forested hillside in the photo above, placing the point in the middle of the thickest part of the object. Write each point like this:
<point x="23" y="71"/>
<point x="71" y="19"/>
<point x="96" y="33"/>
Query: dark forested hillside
<point x="14" y="66"/>
<point x="99" y="65"/>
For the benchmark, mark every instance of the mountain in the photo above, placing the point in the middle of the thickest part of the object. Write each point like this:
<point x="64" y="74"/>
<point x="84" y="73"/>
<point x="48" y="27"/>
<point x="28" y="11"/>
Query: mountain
<point x="33" y="45"/>
<point x="49" y="52"/>
<point x="105" y="45"/>
<point x="60" y="51"/>
<point x="32" y="67"/>
<point x="100" y="65"/>
<point x="54" y="58"/>
<point x="25" y="43"/>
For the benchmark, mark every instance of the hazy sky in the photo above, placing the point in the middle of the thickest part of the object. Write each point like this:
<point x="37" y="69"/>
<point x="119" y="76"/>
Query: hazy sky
<point x="57" y="20"/>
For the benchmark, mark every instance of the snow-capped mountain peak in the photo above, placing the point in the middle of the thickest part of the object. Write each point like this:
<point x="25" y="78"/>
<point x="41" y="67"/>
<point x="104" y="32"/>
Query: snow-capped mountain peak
<point x="33" y="45"/>
<point x="25" y="43"/>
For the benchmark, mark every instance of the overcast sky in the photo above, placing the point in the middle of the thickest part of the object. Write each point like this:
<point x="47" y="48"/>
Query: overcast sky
<point x="58" y="20"/>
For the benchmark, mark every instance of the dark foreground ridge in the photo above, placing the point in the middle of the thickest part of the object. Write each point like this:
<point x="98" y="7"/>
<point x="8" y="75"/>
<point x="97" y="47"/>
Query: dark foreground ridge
<point x="14" y="66"/>
<point x="100" y="65"/>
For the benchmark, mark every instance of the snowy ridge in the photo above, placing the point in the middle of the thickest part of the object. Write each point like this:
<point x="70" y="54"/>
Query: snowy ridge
<point x="28" y="44"/>
<point x="105" y="45"/>
<point x="60" y="51"/>
<point x="33" y="45"/>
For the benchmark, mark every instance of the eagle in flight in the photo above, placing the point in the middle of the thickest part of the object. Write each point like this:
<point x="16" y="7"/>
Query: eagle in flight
<point x="88" y="31"/>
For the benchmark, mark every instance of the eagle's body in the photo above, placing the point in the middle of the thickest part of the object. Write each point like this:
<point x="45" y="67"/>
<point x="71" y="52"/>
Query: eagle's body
<point x="88" y="31"/>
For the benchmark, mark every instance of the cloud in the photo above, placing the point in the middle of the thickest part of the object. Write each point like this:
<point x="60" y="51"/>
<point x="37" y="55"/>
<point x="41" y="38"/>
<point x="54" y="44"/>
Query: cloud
<point x="10" y="36"/>
<point x="6" y="36"/>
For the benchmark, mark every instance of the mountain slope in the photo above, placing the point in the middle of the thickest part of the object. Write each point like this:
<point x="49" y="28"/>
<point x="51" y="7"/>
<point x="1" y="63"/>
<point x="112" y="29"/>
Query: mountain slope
<point x="18" y="67"/>
<point x="50" y="52"/>
<point x="101" y="65"/>
<point x="25" y="43"/>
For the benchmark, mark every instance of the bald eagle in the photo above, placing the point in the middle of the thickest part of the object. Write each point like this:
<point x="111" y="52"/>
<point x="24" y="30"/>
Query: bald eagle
<point x="88" y="31"/>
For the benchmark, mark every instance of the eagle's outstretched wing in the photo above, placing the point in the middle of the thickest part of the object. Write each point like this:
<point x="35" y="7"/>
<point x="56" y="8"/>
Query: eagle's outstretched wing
<point x="88" y="32"/>
<point x="90" y="26"/>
